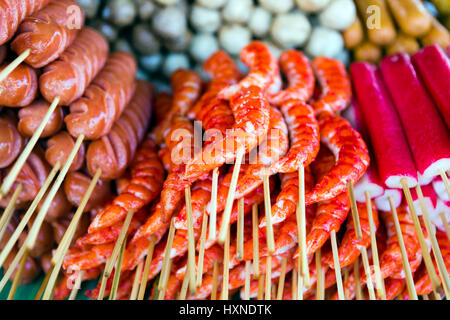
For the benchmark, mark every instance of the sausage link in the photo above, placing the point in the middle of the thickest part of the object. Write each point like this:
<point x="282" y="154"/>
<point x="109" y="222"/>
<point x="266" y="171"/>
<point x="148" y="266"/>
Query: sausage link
<point x="30" y="271"/>
<point x="44" y="241"/>
<point x="69" y="75"/>
<point x="75" y="186"/>
<point x="11" y="142"/>
<point x="60" y="226"/>
<point x="59" y="207"/>
<point x="105" y="99"/>
<point x="30" y="118"/>
<point x="48" y="32"/>
<point x="12" y="13"/>
<point x="20" y="87"/>
<point x="114" y="152"/>
<point x="59" y="147"/>
<point x="3" y="52"/>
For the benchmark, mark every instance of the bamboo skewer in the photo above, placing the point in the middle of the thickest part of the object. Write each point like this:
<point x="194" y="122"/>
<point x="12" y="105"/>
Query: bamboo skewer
<point x="281" y="279"/>
<point x="191" y="241"/>
<point x="167" y="252"/>
<point x="268" y="214"/>
<point x="14" y="64"/>
<point x="136" y="281"/>
<point x="116" y="278"/>
<point x="301" y="228"/>
<point x="76" y="286"/>
<point x="148" y="261"/>
<point x="320" y="286"/>
<point x="445" y="223"/>
<point x="247" y="281"/>
<point x="359" y="295"/>
<point x="268" y="282"/>
<point x="346" y="275"/>
<point x="16" y="280"/>
<point x="406" y="267"/>
<point x="215" y="281"/>
<point x="240" y="230"/>
<point x="15" y="170"/>
<point x="337" y="266"/>
<point x="255" y="241"/>
<point x="201" y="253"/>
<point x="162" y="291"/>
<point x="260" y="288"/>
<point x="300" y="286"/>
<point x="226" y="263"/>
<point x="9" y="210"/>
<point x="294" y="284"/>
<point x="230" y="197"/>
<point x="43" y="284"/>
<point x="213" y="207"/>
<point x="184" y="286"/>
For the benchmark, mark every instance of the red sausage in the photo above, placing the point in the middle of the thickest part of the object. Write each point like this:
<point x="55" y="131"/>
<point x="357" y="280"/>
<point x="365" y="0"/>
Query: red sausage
<point x="71" y="73"/>
<point x="48" y="32"/>
<point x="11" y="142"/>
<point x="20" y="88"/>
<point x="30" y="118"/>
<point x="105" y="99"/>
<point x="394" y="162"/>
<point x="433" y="66"/>
<point x="59" y="147"/>
<point x="428" y="137"/>
<point x="12" y="12"/>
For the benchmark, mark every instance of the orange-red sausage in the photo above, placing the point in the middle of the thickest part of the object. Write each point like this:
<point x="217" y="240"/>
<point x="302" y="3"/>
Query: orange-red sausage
<point x="59" y="147"/>
<point x="11" y="142"/>
<point x="20" y="87"/>
<point x="30" y="118"/>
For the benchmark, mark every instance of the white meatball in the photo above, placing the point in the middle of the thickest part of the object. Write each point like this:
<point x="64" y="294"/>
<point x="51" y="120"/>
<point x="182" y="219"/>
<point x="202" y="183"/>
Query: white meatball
<point x="290" y="29"/>
<point x="312" y="5"/>
<point x="202" y="46"/>
<point x="170" y="22"/>
<point x="277" y="6"/>
<point x="175" y="61"/>
<point x="205" y="19"/>
<point x="166" y="2"/>
<point x="325" y="42"/>
<point x="233" y="38"/>
<point x="260" y="21"/>
<point x="151" y="62"/>
<point x="237" y="11"/>
<point x="211" y="3"/>
<point x="339" y="15"/>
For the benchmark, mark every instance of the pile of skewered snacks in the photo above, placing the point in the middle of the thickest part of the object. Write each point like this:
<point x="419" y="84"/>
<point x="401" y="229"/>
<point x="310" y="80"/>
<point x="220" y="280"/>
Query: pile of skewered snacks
<point x="386" y="27"/>
<point x="167" y="35"/>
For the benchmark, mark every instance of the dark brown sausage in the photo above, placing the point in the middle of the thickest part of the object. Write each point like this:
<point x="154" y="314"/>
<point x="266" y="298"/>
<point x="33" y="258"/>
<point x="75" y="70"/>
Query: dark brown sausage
<point x="31" y="117"/>
<point x="105" y="99"/>
<point x="12" y="12"/>
<point x="59" y="207"/>
<point x="114" y="152"/>
<point x="46" y="261"/>
<point x="75" y="186"/>
<point x="44" y="241"/>
<point x="48" y="32"/>
<point x="3" y="52"/>
<point x="60" y="226"/>
<point x="59" y="147"/>
<point x="30" y="270"/>
<point x="11" y="142"/>
<point x="20" y="87"/>
<point x="70" y="74"/>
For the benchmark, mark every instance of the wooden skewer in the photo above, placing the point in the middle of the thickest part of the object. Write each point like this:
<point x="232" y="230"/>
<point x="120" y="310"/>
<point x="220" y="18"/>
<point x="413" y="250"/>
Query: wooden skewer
<point x="14" y="64"/>
<point x="255" y="241"/>
<point x="320" y="286"/>
<point x="346" y="275"/>
<point x="337" y="266"/>
<point x="226" y="263"/>
<point x="240" y="230"/>
<point x="191" y="241"/>
<point x="136" y="281"/>
<point x="282" y="279"/>
<point x="162" y="291"/>
<point x="406" y="267"/>
<point x="373" y="244"/>
<point x="167" y="253"/>
<point x="148" y="261"/>
<point x="354" y="210"/>
<point x="423" y="245"/>
<point x="274" y="291"/>
<point x="76" y="287"/>
<point x="101" y="292"/>
<point x="43" y="284"/>
<point x="116" y="278"/>
<point x="215" y="282"/>
<point x="434" y="244"/>
<point x="15" y="170"/>
<point x="247" y="280"/>
<point x="294" y="284"/>
<point x="260" y="288"/>
<point x="300" y="286"/>
<point x="445" y="180"/>
<point x="359" y="295"/>
<point x="12" y="240"/>
<point x="445" y="223"/>
<point x="213" y="207"/>
<point x="229" y="203"/>
<point x="184" y="286"/>
<point x="9" y="210"/>
<point x="268" y="277"/>
<point x="301" y="227"/>
<point x="16" y="280"/>
<point x="201" y="253"/>
<point x="268" y="214"/>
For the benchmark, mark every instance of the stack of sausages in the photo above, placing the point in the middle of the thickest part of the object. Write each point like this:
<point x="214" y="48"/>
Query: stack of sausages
<point x="98" y="97"/>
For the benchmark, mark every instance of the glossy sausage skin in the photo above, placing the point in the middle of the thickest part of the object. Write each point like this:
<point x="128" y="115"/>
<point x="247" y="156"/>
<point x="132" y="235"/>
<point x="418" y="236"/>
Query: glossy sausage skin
<point x="75" y="186"/>
<point x="105" y="99"/>
<point x="30" y="118"/>
<point x="69" y="75"/>
<point x="11" y="142"/>
<point x="48" y="32"/>
<point x="114" y="152"/>
<point x="59" y="207"/>
<point x="59" y="147"/>
<point x="44" y="241"/>
<point x="20" y="88"/>
<point x="60" y="226"/>
<point x="12" y="13"/>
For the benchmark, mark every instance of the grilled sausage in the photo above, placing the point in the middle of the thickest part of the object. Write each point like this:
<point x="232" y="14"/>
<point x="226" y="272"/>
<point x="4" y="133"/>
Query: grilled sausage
<point x="11" y="142"/>
<point x="105" y="99"/>
<point x="20" y="87"/>
<point x="114" y="152"/>
<point x="30" y="118"/>
<point x="48" y="32"/>
<point x="44" y="241"/>
<point x="59" y="147"/>
<point x="70" y="74"/>
<point x="60" y="226"/>
<point x="30" y="271"/>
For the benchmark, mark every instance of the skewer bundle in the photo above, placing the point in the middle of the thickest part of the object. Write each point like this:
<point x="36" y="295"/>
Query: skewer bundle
<point x="266" y="206"/>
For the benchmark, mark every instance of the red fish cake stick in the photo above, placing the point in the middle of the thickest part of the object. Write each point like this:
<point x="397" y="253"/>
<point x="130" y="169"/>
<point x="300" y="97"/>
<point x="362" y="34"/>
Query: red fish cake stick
<point x="427" y="135"/>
